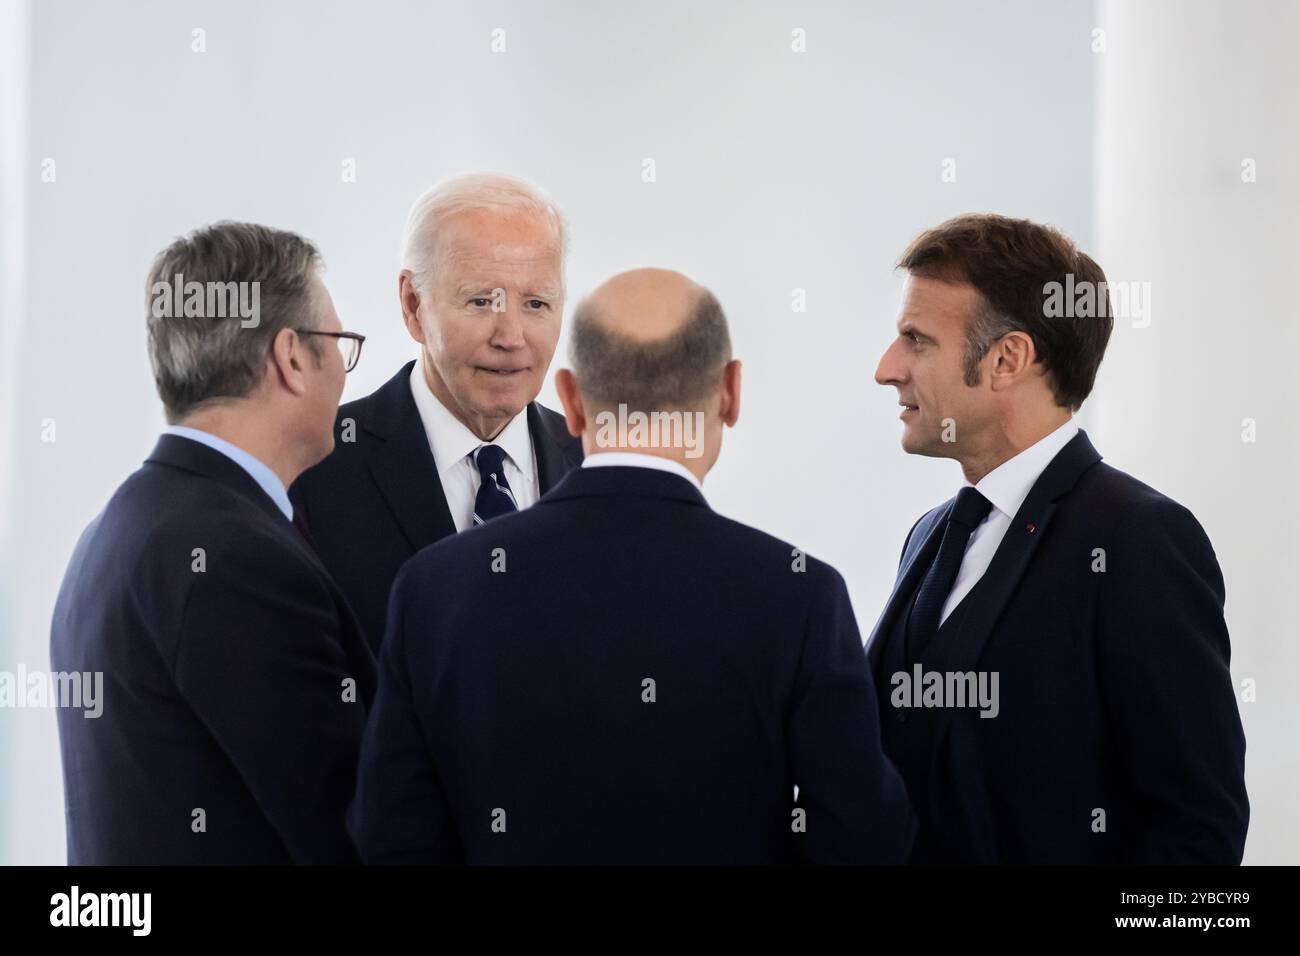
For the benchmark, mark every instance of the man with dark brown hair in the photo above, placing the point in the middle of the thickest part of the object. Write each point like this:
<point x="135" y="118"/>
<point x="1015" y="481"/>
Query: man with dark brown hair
<point x="1053" y="662"/>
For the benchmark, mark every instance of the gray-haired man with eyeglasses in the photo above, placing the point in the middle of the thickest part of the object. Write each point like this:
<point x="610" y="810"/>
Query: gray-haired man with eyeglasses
<point x="235" y="679"/>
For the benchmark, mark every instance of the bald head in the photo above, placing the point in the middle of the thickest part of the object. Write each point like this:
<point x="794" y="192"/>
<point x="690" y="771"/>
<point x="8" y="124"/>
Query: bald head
<point x="651" y="339"/>
<point x="644" y="305"/>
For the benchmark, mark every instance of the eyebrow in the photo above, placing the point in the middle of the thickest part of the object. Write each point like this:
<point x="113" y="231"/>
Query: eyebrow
<point x="907" y="326"/>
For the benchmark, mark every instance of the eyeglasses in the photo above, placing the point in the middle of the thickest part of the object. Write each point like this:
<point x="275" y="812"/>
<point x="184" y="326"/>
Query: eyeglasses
<point x="349" y="345"/>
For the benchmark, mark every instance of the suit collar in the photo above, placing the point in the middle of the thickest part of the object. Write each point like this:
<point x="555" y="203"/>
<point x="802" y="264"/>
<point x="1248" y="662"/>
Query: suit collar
<point x="402" y="464"/>
<point x="557" y="451"/>
<point x="1008" y="485"/>
<point x="1009" y="561"/>
<point x="189" y="455"/>
<point x="450" y="439"/>
<point x="621" y="480"/>
<point x="994" y="590"/>
<point x="257" y="469"/>
<point x="176" y="451"/>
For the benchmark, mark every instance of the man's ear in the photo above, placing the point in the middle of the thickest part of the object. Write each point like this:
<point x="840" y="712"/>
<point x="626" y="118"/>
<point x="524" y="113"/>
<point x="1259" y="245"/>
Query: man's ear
<point x="574" y="416"/>
<point x="730" y="407"/>
<point x="410" y="299"/>
<point x="289" y="358"/>
<point x="1012" y="358"/>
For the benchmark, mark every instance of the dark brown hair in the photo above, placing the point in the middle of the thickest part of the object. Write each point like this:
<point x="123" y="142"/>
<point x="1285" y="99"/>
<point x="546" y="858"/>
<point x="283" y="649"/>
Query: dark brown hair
<point x="1013" y="264"/>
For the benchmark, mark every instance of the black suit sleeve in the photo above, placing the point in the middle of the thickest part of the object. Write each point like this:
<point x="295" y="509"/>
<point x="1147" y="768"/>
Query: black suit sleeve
<point x="1163" y="658"/>
<point x="400" y="814"/>
<point x="855" y="803"/>
<point x="260" y="661"/>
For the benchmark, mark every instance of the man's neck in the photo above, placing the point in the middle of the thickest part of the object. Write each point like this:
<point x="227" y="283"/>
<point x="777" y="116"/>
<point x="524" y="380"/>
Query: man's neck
<point x="1012" y="438"/>
<point x="238" y="427"/>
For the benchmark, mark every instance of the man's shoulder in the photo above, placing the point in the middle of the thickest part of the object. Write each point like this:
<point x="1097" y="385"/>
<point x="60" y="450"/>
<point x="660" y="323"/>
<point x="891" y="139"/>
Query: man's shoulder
<point x="1107" y="492"/>
<point x="165" y="530"/>
<point x="706" y="537"/>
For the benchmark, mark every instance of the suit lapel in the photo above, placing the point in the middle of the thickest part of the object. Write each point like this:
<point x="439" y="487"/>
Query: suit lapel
<point x="403" y="467"/>
<point x="402" y="463"/>
<point x="554" y="452"/>
<point x="990" y="596"/>
<point x="922" y="545"/>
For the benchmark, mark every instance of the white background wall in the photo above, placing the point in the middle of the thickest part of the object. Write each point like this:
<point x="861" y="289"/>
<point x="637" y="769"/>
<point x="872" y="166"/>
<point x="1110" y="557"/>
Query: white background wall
<point x="776" y="170"/>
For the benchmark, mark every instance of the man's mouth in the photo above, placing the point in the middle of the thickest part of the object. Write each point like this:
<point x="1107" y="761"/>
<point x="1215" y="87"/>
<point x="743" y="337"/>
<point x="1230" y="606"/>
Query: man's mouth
<point x="502" y="372"/>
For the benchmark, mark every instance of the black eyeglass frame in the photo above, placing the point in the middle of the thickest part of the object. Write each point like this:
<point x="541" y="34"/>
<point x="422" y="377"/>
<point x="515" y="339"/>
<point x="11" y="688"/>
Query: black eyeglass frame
<point x="354" y="336"/>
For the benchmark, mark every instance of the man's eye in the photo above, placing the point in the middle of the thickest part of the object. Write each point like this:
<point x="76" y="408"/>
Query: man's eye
<point x="480" y="302"/>
<point x="911" y="337"/>
<point x="538" y="304"/>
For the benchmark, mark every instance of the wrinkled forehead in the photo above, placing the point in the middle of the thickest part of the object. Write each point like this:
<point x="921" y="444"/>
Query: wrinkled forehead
<point x="475" y="248"/>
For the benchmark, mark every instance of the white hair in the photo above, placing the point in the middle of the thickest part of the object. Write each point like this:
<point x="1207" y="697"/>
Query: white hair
<point x="472" y="191"/>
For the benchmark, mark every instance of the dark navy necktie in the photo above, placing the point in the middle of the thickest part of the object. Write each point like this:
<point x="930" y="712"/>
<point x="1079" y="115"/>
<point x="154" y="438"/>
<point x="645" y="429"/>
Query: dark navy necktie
<point x="969" y="510"/>
<point x="494" y="496"/>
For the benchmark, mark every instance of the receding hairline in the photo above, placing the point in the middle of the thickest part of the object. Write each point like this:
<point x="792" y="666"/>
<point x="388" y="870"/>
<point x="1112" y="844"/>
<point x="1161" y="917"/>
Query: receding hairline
<point x="486" y="192"/>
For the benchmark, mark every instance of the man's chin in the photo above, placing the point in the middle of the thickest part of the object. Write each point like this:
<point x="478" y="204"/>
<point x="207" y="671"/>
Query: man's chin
<point x="917" y="444"/>
<point x="501" y="404"/>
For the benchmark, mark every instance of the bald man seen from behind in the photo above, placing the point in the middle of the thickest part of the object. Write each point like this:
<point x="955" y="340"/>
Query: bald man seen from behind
<point x="620" y="675"/>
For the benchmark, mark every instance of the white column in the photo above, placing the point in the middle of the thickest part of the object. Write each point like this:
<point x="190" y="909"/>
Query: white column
<point x="1198" y="194"/>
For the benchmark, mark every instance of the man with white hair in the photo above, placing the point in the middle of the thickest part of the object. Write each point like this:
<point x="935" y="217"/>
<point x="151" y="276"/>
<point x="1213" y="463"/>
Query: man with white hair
<point x="456" y="437"/>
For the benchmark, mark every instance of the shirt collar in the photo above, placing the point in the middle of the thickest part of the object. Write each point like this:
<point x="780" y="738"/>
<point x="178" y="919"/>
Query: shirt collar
<point x="450" y="440"/>
<point x="261" y="473"/>
<point x="1008" y="485"/>
<point x="634" y="459"/>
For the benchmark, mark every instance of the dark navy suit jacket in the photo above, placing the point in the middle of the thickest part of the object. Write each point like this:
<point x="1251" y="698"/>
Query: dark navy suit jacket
<point x="376" y="500"/>
<point x="620" y="675"/>
<point x="227" y="733"/>
<point x="1115" y="693"/>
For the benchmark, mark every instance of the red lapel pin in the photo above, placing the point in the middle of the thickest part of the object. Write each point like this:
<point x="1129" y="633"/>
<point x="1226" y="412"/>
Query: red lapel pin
<point x="1030" y="527"/>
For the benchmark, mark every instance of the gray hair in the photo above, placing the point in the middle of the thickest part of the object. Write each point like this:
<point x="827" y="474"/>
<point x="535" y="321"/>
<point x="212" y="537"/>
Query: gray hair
<point x="421" y="253"/>
<point x="672" y="373"/>
<point x="202" y="359"/>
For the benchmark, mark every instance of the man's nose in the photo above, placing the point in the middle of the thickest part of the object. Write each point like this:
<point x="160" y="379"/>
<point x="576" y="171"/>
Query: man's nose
<point x="508" y="330"/>
<point x="890" y="369"/>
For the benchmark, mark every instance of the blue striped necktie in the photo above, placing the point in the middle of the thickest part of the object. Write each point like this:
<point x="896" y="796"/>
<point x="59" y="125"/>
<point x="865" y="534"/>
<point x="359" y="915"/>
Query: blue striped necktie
<point x="494" y="496"/>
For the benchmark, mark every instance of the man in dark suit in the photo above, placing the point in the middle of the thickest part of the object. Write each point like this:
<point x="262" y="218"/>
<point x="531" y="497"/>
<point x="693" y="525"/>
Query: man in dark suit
<point x="482" y="292"/>
<point x="236" y="681"/>
<point x="619" y="674"/>
<point x="1052" y="664"/>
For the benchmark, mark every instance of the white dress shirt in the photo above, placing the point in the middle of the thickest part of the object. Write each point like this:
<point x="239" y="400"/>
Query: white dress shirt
<point x="1006" y="487"/>
<point x="453" y="446"/>
<point x="635" y="459"/>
